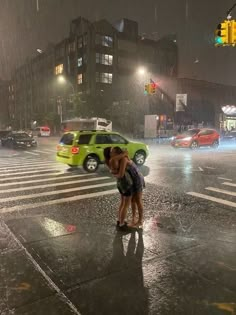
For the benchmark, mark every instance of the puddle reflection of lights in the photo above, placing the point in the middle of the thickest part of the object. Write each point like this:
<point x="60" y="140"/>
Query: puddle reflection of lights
<point x="55" y="228"/>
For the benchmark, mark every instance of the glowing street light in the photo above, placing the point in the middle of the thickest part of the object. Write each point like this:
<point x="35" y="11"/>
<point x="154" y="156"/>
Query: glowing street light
<point x="141" y="71"/>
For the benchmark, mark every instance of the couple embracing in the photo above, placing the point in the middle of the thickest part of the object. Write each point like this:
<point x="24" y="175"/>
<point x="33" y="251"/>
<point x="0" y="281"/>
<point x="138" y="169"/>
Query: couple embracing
<point x="130" y="183"/>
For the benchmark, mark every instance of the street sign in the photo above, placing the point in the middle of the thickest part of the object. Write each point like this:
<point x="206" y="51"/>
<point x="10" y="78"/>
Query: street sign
<point x="181" y="102"/>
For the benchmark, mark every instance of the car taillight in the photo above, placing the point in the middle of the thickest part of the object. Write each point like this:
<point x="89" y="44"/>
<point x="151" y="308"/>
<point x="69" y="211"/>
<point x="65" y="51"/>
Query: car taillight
<point x="58" y="147"/>
<point x="75" y="150"/>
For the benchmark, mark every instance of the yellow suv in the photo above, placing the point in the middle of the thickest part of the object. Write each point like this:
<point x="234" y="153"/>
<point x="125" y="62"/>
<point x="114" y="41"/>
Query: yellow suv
<point x="85" y="148"/>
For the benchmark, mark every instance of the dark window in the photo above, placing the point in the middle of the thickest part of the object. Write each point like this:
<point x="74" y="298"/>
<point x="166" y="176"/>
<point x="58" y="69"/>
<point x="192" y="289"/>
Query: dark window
<point x="209" y="132"/>
<point x="117" y="139"/>
<point x="84" y="139"/>
<point x="67" y="139"/>
<point x="103" y="139"/>
<point x="204" y="133"/>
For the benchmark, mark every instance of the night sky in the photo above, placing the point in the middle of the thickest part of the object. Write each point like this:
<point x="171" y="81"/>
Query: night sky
<point x="23" y="29"/>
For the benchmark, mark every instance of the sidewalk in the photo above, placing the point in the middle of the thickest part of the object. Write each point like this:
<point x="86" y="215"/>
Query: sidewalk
<point x="68" y="263"/>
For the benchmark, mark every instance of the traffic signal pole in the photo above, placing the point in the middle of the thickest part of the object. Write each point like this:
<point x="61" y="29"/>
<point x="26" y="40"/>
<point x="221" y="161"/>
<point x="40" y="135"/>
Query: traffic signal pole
<point x="229" y="11"/>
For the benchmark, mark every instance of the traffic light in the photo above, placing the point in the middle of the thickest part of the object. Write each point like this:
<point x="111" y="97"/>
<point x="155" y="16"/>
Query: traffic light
<point x="153" y="88"/>
<point x="222" y="37"/>
<point x="147" y="89"/>
<point x="233" y="32"/>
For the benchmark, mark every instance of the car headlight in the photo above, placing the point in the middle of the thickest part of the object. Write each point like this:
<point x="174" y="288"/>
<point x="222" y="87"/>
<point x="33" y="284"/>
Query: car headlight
<point x="187" y="138"/>
<point x="172" y="138"/>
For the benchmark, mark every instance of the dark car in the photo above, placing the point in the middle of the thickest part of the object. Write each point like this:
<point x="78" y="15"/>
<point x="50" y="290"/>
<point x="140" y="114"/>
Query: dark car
<point x="194" y="138"/>
<point x="18" y="140"/>
<point x="3" y="134"/>
<point x="229" y="138"/>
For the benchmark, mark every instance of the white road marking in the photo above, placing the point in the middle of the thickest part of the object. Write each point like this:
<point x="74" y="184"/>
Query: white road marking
<point x="223" y="178"/>
<point x="12" y="171"/>
<point x="229" y="184"/>
<point x="227" y="192"/>
<point x="43" y="273"/>
<point x="210" y="168"/>
<point x="51" y="193"/>
<point x="54" y="178"/>
<point x="200" y="169"/>
<point x="28" y="172"/>
<point x="31" y="176"/>
<point x="32" y="153"/>
<point x="15" y="165"/>
<point x="210" y="198"/>
<point x="44" y="151"/>
<point x="57" y="201"/>
<point x="54" y="184"/>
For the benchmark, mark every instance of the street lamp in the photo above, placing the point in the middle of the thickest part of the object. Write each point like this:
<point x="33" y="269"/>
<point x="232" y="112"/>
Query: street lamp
<point x="141" y="71"/>
<point x="62" y="80"/>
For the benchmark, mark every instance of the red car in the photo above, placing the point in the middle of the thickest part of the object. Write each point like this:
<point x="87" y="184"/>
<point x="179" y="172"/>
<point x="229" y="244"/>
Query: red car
<point x="194" y="138"/>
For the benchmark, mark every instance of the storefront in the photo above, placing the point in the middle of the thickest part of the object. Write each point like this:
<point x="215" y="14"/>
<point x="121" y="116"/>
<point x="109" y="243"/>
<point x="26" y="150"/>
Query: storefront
<point x="228" y="118"/>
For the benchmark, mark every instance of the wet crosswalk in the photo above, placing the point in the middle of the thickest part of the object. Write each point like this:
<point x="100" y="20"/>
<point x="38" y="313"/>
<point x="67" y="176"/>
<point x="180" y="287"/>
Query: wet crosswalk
<point x="39" y="151"/>
<point x="223" y="192"/>
<point x="34" y="183"/>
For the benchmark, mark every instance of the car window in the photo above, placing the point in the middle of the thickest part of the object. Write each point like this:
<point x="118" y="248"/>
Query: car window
<point x="20" y="135"/>
<point x="84" y="139"/>
<point x="203" y="133"/>
<point x="117" y="139"/>
<point x="103" y="139"/>
<point x="67" y="139"/>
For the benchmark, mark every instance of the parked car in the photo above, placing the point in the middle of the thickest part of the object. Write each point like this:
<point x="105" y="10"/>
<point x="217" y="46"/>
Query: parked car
<point x="42" y="132"/>
<point x="229" y="138"/>
<point x="85" y="148"/>
<point x="18" y="140"/>
<point x="194" y="138"/>
<point x="3" y="134"/>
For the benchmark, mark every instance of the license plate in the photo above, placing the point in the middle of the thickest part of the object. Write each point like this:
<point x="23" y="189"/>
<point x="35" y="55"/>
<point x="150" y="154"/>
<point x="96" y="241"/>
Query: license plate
<point x="28" y="145"/>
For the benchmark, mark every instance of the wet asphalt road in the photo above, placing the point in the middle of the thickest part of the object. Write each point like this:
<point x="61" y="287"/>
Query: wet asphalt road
<point x="61" y="254"/>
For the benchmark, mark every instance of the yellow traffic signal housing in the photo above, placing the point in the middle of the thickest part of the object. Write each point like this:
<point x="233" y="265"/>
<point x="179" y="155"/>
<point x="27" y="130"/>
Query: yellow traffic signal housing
<point x="222" y="37"/>
<point x="147" y="89"/>
<point x="233" y="32"/>
<point x="153" y="88"/>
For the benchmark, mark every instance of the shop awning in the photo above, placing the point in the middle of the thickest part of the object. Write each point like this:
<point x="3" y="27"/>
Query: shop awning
<point x="229" y="110"/>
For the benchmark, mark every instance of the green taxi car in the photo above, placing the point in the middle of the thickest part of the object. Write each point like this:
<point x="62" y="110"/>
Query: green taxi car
<point x="85" y="148"/>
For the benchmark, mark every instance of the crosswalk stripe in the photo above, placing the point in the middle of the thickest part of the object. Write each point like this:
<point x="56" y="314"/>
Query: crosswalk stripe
<point x="223" y="178"/>
<point x="44" y="151"/>
<point x="4" y="166"/>
<point x="227" y="192"/>
<point x="28" y="172"/>
<point x="217" y="200"/>
<point x="54" y="184"/>
<point x="51" y="193"/>
<point x="57" y="172"/>
<point x="54" y="178"/>
<point x="229" y="184"/>
<point x="12" y="171"/>
<point x="32" y="153"/>
<point x="57" y="201"/>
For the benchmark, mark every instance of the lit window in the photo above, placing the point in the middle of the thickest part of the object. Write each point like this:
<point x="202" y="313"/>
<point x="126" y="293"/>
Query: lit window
<point x="104" y="40"/>
<point x="104" y="59"/>
<point x="80" y="78"/>
<point x="104" y="77"/>
<point x="59" y="69"/>
<point x="80" y="62"/>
